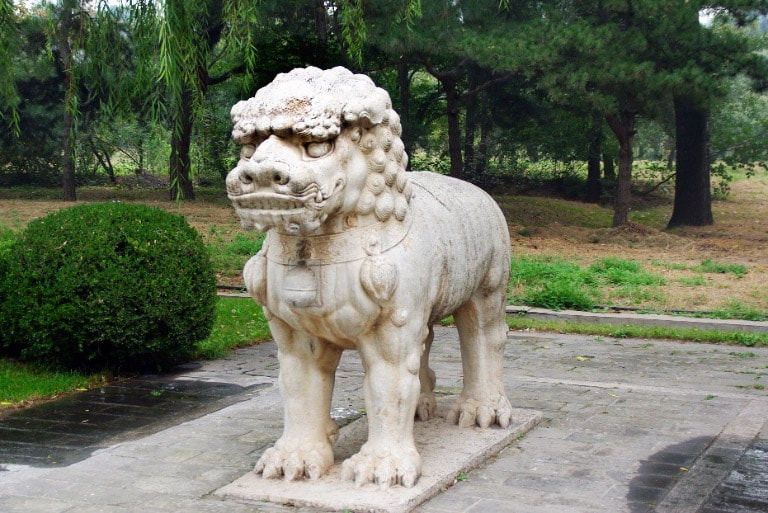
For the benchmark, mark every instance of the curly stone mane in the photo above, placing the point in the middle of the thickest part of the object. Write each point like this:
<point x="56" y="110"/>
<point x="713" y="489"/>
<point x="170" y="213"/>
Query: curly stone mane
<point x="317" y="106"/>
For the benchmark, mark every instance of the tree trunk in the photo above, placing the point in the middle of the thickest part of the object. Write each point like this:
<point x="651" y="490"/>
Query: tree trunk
<point x="68" y="122"/>
<point x="609" y="171"/>
<point x="470" y="127"/>
<point x="693" y="195"/>
<point x="181" y="138"/>
<point x="67" y="157"/>
<point x="481" y="158"/>
<point x="594" y="189"/>
<point x="104" y="161"/>
<point x="453" y="110"/>
<point x="671" y="158"/>
<point x="321" y="27"/>
<point x="454" y="130"/>
<point x="405" y="105"/>
<point x="623" y="127"/>
<point x="211" y="18"/>
<point x="140" y="150"/>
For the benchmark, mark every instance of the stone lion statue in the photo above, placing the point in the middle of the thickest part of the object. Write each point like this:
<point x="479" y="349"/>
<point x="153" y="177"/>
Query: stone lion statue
<point x="361" y="254"/>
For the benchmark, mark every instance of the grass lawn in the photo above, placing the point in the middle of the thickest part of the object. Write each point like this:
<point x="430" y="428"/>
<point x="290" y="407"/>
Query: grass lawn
<point x="21" y="383"/>
<point x="239" y="322"/>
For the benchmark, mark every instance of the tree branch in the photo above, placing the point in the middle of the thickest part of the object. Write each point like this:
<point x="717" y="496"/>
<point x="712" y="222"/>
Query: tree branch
<point x="485" y="85"/>
<point x="453" y="74"/>
<point x="237" y="70"/>
<point x="654" y="187"/>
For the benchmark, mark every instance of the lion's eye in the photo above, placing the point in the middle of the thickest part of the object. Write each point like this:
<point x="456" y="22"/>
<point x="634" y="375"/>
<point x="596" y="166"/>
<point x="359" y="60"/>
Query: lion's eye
<point x="318" y="149"/>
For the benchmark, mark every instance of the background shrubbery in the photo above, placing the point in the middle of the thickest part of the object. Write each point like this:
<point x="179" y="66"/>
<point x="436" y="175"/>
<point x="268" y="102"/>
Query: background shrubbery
<point x="118" y="286"/>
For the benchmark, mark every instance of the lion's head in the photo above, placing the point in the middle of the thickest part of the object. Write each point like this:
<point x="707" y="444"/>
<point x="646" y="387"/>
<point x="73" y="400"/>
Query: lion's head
<point x="321" y="153"/>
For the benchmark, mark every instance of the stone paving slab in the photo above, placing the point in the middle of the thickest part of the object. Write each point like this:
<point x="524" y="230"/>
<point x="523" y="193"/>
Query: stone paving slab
<point x="628" y="425"/>
<point x="447" y="451"/>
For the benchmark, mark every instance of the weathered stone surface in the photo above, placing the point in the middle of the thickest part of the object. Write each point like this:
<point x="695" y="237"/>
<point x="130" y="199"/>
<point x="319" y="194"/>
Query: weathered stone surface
<point x="362" y="255"/>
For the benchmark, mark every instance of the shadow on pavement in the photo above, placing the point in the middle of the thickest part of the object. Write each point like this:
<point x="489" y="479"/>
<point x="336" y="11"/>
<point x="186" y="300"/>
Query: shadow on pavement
<point x="745" y="488"/>
<point x="661" y="471"/>
<point x="68" y="430"/>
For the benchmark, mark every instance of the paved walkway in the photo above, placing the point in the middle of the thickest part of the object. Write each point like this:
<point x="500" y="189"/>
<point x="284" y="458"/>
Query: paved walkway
<point x="631" y="426"/>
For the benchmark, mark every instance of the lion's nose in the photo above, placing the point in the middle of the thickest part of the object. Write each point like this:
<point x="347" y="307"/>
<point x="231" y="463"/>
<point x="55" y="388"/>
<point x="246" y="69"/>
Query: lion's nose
<point x="250" y="177"/>
<point x="265" y="173"/>
<point x="280" y="177"/>
<point x="267" y="167"/>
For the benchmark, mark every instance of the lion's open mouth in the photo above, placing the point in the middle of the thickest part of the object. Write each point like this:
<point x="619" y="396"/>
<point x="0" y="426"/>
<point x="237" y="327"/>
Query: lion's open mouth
<point x="264" y="210"/>
<point x="268" y="202"/>
<point x="267" y="209"/>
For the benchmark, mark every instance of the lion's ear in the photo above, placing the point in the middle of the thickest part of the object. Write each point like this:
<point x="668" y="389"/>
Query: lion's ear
<point x="237" y="110"/>
<point x="369" y="111"/>
<point x="242" y="128"/>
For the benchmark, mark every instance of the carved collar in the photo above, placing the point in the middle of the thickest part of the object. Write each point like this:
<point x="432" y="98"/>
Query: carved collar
<point x="337" y="248"/>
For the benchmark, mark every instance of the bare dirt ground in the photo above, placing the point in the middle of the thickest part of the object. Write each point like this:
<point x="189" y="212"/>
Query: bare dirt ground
<point x="540" y="226"/>
<point x="739" y="236"/>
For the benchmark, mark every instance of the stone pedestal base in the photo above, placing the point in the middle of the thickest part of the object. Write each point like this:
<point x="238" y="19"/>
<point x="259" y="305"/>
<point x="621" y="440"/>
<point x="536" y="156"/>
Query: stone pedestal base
<point x="446" y="451"/>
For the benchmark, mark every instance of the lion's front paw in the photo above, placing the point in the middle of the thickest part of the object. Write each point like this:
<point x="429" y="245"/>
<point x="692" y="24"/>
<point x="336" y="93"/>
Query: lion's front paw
<point x="489" y="410"/>
<point x="383" y="467"/>
<point x="294" y="460"/>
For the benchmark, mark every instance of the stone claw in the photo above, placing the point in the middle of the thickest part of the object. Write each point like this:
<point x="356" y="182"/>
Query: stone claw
<point x="385" y="470"/>
<point x="386" y="474"/>
<point x="468" y="412"/>
<point x="267" y="465"/>
<point x="293" y="468"/>
<point x="408" y="475"/>
<point x="310" y="461"/>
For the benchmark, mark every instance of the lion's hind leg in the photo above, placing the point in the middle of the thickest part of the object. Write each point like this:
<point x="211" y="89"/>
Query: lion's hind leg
<point x="483" y="335"/>
<point x="427" y="406"/>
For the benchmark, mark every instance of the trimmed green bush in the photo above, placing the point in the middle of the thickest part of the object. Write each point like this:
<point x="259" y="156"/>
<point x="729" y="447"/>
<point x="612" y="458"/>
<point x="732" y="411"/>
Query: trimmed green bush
<point x="107" y="286"/>
<point x="7" y="238"/>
